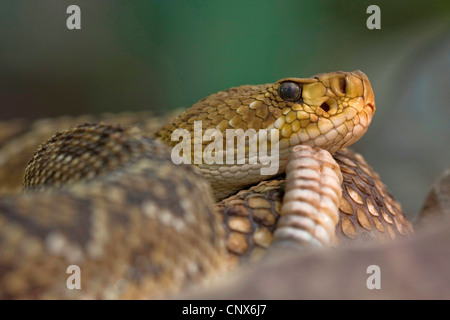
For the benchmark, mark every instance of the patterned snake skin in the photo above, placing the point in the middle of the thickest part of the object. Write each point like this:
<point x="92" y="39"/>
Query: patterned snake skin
<point x="108" y="198"/>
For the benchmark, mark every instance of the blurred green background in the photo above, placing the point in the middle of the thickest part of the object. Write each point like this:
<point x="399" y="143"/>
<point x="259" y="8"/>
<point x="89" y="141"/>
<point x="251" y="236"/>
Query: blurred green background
<point x="162" y="55"/>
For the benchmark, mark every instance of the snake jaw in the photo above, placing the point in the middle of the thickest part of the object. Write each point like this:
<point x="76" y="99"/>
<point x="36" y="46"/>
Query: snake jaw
<point x="365" y="114"/>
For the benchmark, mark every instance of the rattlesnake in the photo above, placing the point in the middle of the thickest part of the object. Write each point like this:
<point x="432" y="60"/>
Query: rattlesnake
<point x="108" y="197"/>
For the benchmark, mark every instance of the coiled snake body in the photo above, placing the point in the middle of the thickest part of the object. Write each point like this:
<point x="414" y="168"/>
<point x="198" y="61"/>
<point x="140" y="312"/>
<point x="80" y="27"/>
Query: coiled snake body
<point x="109" y="199"/>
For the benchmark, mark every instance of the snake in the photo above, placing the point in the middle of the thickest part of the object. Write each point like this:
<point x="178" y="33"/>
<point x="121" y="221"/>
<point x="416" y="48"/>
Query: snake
<point x="105" y="194"/>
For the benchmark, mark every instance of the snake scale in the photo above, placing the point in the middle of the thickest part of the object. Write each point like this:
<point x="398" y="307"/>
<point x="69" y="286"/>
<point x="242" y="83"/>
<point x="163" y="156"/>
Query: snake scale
<point x="106" y="196"/>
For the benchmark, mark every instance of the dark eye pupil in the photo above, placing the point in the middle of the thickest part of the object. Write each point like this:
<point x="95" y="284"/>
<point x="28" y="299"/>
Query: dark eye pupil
<point x="290" y="91"/>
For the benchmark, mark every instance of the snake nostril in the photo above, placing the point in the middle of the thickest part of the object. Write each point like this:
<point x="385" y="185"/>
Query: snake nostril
<point x="325" y="107"/>
<point x="342" y="85"/>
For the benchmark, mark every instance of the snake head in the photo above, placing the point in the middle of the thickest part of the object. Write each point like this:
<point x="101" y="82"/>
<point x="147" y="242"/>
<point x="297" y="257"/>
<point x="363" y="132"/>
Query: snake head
<point x="330" y="110"/>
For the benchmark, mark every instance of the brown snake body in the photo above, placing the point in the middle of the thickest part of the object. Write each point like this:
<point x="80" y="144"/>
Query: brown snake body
<point x="139" y="226"/>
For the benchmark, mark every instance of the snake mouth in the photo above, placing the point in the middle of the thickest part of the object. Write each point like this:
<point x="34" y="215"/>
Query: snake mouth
<point x="372" y="106"/>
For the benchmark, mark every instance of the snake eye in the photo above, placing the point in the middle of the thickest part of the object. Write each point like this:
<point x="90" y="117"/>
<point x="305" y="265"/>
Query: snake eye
<point x="290" y="91"/>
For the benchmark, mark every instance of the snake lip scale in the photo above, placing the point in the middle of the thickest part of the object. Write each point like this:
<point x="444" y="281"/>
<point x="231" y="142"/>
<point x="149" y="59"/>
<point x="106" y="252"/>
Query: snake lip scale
<point x="105" y="195"/>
